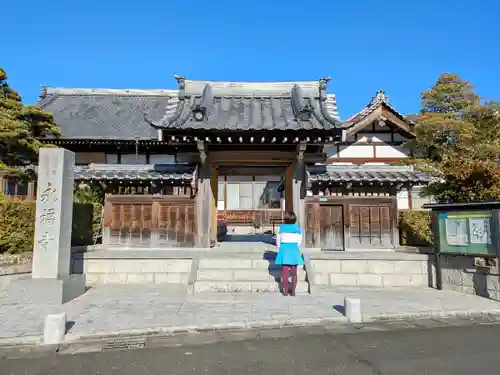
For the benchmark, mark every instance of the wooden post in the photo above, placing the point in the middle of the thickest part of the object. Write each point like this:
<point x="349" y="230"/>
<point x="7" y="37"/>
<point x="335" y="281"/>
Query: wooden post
<point x="289" y="188"/>
<point x="203" y="206"/>
<point x="3" y="181"/>
<point x="395" y="220"/>
<point x="298" y="192"/>
<point x="299" y="186"/>
<point x="213" y="205"/>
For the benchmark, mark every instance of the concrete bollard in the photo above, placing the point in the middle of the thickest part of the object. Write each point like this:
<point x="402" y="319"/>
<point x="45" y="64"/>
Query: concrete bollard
<point x="54" y="329"/>
<point x="352" y="307"/>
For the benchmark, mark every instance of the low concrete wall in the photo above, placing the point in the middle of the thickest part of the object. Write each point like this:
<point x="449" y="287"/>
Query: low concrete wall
<point x="371" y="269"/>
<point x="132" y="267"/>
<point x="14" y="272"/>
<point x="460" y="274"/>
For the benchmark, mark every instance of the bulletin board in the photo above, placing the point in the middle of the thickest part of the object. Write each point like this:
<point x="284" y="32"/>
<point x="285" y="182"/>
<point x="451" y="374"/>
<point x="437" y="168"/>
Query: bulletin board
<point x="466" y="232"/>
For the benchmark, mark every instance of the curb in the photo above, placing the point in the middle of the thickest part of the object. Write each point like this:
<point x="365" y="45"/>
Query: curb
<point x="176" y="336"/>
<point x="131" y="334"/>
<point x="432" y="315"/>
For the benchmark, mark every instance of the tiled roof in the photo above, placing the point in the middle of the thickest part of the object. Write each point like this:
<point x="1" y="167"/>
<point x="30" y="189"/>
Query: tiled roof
<point x="205" y="105"/>
<point x="366" y="174"/>
<point x="122" y="114"/>
<point x="106" y="114"/>
<point x="171" y="172"/>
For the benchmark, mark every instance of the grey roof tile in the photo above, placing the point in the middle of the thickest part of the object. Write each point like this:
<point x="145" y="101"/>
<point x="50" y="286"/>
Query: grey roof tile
<point x="106" y="114"/>
<point x="170" y="172"/>
<point x="383" y="173"/>
<point x="236" y="113"/>
<point x="257" y="106"/>
<point x="120" y="114"/>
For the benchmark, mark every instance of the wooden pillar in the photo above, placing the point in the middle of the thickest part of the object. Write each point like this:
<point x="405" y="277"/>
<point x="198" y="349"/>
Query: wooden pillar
<point x="213" y="205"/>
<point x="203" y="204"/>
<point x="289" y="188"/>
<point x="298" y="191"/>
<point x="3" y="181"/>
<point x="299" y="185"/>
<point x="31" y="193"/>
<point x="395" y="220"/>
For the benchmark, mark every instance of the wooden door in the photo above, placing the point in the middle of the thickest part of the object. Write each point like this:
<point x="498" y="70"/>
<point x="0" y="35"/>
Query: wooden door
<point x="331" y="227"/>
<point x="370" y="226"/>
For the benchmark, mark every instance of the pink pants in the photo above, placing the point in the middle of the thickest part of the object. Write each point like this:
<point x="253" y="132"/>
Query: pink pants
<point x="285" y="271"/>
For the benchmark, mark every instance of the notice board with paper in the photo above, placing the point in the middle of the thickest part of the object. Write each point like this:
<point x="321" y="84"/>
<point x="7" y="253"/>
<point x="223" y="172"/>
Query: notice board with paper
<point x="466" y="232"/>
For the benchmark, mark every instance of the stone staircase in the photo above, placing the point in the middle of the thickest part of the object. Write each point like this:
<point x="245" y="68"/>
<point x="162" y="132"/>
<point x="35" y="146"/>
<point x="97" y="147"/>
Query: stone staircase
<point x="243" y="274"/>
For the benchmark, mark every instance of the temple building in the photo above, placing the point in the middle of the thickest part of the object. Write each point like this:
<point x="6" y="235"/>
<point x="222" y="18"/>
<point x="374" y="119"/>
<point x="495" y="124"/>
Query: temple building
<point x="213" y="162"/>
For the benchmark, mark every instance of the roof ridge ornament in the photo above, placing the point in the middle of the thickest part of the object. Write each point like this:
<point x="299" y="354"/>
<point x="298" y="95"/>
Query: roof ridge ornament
<point x="204" y="108"/>
<point x="181" y="81"/>
<point x="168" y="118"/>
<point x="302" y="107"/>
<point x="323" y="84"/>
<point x="380" y="96"/>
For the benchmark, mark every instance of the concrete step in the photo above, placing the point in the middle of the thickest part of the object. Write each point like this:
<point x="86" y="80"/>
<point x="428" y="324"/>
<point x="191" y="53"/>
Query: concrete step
<point x="230" y="263"/>
<point x="247" y="286"/>
<point x="244" y="274"/>
<point x="236" y="263"/>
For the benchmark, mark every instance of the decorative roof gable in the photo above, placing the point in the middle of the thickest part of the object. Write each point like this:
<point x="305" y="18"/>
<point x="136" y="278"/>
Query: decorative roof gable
<point x="379" y="109"/>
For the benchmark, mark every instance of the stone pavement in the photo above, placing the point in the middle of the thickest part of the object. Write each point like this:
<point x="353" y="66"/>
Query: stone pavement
<point x="126" y="309"/>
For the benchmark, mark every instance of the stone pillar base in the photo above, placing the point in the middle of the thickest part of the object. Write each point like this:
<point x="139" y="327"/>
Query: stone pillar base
<point x="46" y="291"/>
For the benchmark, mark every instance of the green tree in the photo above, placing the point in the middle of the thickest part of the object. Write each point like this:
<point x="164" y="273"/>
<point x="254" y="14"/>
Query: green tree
<point x="458" y="138"/>
<point x="21" y="126"/>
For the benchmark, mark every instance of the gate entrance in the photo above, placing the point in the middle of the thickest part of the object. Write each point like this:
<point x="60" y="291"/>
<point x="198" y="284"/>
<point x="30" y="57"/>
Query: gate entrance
<point x="331" y="231"/>
<point x="249" y="204"/>
<point x="371" y="226"/>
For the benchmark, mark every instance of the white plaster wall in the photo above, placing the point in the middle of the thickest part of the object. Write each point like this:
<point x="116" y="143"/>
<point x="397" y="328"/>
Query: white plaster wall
<point x="354" y="151"/>
<point x="403" y="203"/>
<point x="381" y="138"/>
<point x="383" y="150"/>
<point x="386" y="151"/>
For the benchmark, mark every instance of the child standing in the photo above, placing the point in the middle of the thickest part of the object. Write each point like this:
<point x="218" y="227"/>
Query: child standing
<point x="289" y="256"/>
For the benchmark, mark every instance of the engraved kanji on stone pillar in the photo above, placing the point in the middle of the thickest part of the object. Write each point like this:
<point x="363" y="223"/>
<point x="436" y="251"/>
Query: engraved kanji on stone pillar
<point x="54" y="214"/>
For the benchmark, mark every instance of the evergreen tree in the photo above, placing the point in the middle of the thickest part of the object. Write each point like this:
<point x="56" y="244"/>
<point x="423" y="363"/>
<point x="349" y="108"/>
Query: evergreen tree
<point x="460" y="136"/>
<point x="21" y="127"/>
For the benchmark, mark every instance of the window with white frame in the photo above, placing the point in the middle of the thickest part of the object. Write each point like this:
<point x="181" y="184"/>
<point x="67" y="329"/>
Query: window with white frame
<point x="248" y="192"/>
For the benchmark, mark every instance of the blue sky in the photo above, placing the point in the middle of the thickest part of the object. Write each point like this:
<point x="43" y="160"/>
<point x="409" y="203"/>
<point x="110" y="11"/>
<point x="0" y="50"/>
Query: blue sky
<point x="397" y="45"/>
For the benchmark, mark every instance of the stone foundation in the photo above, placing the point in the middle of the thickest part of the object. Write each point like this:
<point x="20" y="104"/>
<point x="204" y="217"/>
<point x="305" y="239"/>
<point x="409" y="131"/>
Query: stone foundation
<point x="460" y="274"/>
<point x="10" y="273"/>
<point x="377" y="269"/>
<point x="132" y="267"/>
<point x="370" y="269"/>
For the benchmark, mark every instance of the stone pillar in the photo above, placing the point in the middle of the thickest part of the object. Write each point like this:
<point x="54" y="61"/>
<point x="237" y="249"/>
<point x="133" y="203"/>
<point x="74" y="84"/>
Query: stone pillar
<point x="54" y="214"/>
<point x="51" y="281"/>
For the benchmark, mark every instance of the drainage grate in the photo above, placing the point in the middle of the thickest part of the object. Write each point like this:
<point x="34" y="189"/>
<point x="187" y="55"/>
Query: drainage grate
<point x="125" y="344"/>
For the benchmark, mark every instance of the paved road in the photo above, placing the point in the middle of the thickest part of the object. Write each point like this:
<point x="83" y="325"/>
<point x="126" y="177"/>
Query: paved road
<point x="455" y="350"/>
